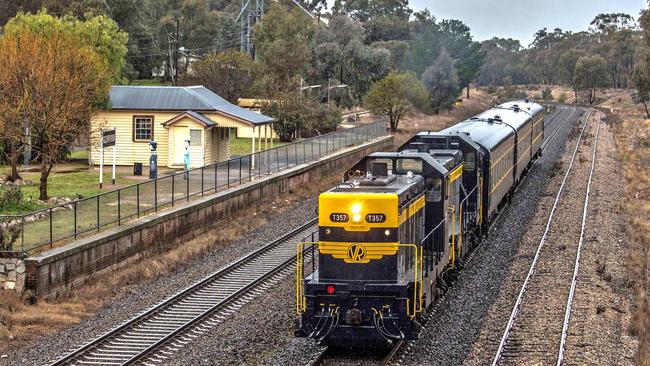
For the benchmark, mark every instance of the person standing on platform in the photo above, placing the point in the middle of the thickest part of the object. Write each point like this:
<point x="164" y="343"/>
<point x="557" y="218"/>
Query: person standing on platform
<point x="186" y="160"/>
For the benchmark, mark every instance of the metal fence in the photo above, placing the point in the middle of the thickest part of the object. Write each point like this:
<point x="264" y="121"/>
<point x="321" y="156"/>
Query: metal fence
<point x="47" y="226"/>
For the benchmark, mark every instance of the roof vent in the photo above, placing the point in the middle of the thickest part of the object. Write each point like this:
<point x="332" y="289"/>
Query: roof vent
<point x="497" y="118"/>
<point x="490" y="120"/>
<point x="515" y="107"/>
<point x="526" y="100"/>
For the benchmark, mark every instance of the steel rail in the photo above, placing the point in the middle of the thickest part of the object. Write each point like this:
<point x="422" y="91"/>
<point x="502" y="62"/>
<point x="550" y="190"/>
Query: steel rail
<point x="550" y="138"/>
<point x="576" y="268"/>
<point x="531" y="270"/>
<point x="198" y="301"/>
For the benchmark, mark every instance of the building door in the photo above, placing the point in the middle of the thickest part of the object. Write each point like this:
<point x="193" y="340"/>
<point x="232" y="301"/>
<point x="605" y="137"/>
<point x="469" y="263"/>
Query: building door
<point x="181" y="133"/>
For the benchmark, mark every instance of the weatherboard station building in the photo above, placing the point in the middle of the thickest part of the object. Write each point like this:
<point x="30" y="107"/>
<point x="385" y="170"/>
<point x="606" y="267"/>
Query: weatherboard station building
<point x="171" y="115"/>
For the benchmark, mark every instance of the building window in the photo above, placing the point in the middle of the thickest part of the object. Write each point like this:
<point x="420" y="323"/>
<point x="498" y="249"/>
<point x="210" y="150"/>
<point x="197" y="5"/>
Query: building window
<point x="142" y="128"/>
<point x="195" y="138"/>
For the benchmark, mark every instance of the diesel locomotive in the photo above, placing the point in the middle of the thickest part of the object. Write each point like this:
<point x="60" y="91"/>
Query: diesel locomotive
<point x="394" y="232"/>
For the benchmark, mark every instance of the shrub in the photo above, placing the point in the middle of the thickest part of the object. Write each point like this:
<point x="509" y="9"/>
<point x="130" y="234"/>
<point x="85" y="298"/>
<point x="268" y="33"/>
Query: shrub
<point x="10" y="198"/>
<point x="547" y="94"/>
<point x="562" y="98"/>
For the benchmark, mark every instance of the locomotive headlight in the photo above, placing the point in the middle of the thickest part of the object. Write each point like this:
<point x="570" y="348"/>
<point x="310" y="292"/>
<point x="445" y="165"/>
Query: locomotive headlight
<point x="356" y="208"/>
<point x="356" y="217"/>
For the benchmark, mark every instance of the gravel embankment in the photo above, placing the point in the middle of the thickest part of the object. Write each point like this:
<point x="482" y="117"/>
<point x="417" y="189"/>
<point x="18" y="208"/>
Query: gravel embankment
<point x="144" y="295"/>
<point x="536" y="332"/>
<point x="603" y="304"/>
<point x="448" y="337"/>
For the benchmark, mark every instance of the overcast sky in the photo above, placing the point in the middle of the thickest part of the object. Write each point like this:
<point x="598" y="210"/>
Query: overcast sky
<point x="520" y="19"/>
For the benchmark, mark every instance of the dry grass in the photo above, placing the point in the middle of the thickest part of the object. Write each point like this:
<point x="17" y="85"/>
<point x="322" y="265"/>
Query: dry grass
<point x="632" y="131"/>
<point x="409" y="126"/>
<point x="21" y="324"/>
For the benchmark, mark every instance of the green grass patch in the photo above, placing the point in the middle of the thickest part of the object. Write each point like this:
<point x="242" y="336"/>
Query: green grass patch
<point x="150" y="82"/>
<point x="78" y="154"/>
<point x="243" y="146"/>
<point x="71" y="184"/>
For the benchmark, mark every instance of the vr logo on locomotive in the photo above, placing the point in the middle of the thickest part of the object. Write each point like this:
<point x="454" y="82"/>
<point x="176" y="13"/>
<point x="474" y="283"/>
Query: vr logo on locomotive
<point x="356" y="253"/>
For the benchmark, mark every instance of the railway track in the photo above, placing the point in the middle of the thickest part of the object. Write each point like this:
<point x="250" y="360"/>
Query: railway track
<point x="152" y="336"/>
<point x="538" y="324"/>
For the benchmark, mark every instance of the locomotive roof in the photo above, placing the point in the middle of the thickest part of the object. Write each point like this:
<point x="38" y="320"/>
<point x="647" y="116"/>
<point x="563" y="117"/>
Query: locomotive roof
<point x="397" y="183"/>
<point x="487" y="134"/>
<point x="526" y="105"/>
<point x="512" y="117"/>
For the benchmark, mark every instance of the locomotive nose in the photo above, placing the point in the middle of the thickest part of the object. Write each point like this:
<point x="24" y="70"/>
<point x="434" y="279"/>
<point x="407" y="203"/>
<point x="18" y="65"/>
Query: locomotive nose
<point x="353" y="317"/>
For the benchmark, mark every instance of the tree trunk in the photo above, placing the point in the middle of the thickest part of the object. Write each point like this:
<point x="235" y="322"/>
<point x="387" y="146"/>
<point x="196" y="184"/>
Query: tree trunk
<point x="13" y="159"/>
<point x="467" y="90"/>
<point x="575" y="96"/>
<point x="592" y="96"/>
<point x="45" y="173"/>
<point x="393" y="123"/>
<point x="645" y="105"/>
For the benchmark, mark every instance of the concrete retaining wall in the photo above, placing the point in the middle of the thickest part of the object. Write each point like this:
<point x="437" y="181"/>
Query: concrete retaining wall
<point x="72" y="264"/>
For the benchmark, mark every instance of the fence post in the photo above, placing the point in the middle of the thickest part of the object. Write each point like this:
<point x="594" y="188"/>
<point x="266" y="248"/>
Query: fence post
<point x="202" y="173"/>
<point x="137" y="199"/>
<point x="155" y="194"/>
<point x="240" y="170"/>
<point x="216" y="182"/>
<point x="119" y="207"/>
<point x="228" y="175"/>
<point x="259" y="164"/>
<point x="173" y="183"/>
<point x="51" y="228"/>
<point x="74" y="207"/>
<point x="188" y="175"/>
<point x="97" y="213"/>
<point x="286" y="154"/>
<point x="251" y="159"/>
<point x="22" y="232"/>
<point x="277" y="157"/>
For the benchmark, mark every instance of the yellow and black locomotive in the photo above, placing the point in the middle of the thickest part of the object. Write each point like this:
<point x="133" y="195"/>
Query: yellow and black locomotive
<point x="393" y="234"/>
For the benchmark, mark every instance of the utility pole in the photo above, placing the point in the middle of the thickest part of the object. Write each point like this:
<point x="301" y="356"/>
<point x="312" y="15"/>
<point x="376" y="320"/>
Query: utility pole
<point x="251" y="13"/>
<point x="176" y="49"/>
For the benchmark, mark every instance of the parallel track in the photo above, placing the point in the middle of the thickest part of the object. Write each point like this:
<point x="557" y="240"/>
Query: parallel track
<point x="538" y="324"/>
<point x="156" y="333"/>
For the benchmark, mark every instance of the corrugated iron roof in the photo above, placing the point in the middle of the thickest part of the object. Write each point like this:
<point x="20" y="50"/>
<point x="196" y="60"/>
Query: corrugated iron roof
<point x="179" y="98"/>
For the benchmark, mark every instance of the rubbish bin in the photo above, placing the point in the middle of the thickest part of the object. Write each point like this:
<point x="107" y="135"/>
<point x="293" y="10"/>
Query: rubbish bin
<point x="137" y="168"/>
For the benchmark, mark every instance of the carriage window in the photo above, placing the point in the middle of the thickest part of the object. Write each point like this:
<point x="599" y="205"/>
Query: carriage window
<point x="470" y="161"/>
<point x="409" y="165"/>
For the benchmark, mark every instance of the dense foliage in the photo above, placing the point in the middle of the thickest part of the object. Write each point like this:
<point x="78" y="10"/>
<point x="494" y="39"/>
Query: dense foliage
<point x="49" y="88"/>
<point x="605" y="55"/>
<point x="394" y="96"/>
